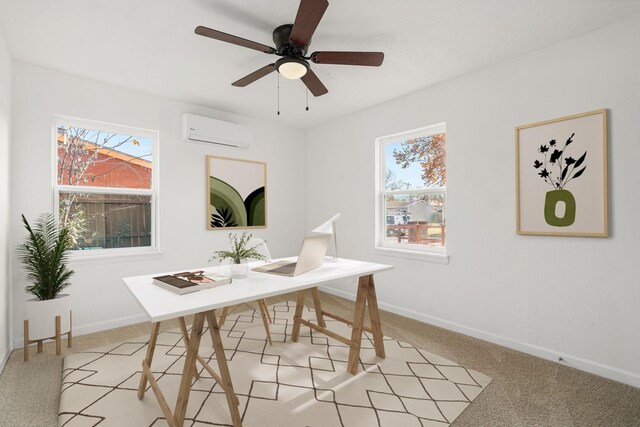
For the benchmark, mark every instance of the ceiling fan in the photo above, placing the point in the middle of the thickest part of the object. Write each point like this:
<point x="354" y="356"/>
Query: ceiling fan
<point x="292" y="43"/>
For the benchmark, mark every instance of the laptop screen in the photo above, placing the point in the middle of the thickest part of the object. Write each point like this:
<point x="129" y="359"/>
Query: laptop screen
<point x="312" y="253"/>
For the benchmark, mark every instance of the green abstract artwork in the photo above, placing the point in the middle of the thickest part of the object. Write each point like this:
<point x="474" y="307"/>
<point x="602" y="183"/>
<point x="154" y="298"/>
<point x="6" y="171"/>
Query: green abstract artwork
<point x="237" y="193"/>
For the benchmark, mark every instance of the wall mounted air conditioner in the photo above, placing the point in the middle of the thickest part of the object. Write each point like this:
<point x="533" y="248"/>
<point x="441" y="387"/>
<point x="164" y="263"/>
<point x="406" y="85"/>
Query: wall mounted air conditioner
<point x="205" y="129"/>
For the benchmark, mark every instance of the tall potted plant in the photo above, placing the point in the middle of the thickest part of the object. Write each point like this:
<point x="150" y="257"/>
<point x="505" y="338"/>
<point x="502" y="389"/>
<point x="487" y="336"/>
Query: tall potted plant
<point x="239" y="252"/>
<point x="44" y="257"/>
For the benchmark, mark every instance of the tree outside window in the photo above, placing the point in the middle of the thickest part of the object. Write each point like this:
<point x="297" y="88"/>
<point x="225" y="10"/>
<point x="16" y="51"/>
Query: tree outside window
<point x="104" y="186"/>
<point x="413" y="189"/>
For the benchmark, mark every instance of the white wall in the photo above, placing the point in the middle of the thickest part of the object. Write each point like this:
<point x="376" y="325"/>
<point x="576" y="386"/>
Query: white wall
<point x="578" y="298"/>
<point x="100" y="300"/>
<point x="5" y="199"/>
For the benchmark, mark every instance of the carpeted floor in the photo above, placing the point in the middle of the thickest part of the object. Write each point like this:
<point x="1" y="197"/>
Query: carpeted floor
<point x="525" y="391"/>
<point x="301" y="384"/>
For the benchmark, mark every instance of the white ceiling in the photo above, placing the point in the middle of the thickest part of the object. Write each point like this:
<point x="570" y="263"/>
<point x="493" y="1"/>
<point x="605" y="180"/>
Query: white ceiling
<point x="149" y="45"/>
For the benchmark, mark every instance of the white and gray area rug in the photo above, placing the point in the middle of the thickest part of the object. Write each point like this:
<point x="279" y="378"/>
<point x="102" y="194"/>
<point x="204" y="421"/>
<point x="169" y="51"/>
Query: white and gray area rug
<point x="284" y="384"/>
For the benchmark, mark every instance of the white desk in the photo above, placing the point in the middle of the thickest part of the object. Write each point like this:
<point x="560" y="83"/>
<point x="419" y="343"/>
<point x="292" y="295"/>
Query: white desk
<point x="160" y="304"/>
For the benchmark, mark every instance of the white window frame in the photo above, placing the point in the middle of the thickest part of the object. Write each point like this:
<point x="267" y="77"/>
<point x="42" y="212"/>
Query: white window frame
<point x="116" y="254"/>
<point x="403" y="250"/>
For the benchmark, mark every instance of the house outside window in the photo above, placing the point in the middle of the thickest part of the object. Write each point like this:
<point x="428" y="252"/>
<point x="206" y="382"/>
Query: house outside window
<point x="105" y="188"/>
<point x="411" y="191"/>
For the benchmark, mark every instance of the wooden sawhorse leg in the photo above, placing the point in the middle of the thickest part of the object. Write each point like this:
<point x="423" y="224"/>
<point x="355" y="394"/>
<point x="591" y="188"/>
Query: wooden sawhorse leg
<point x="185" y="339"/>
<point x="225" y="377"/>
<point x="374" y="318"/>
<point x="176" y="419"/>
<point x="358" y="323"/>
<point x="223" y="315"/>
<point x="187" y="371"/>
<point x="366" y="296"/>
<point x="146" y="363"/>
<point x="297" y="317"/>
<point x="317" y="306"/>
<point x="261" y="302"/>
<point x="264" y="313"/>
<point x="266" y="308"/>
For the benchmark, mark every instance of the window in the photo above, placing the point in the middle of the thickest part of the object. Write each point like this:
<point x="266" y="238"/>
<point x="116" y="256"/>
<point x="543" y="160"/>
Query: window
<point x="105" y="186"/>
<point x="411" y="191"/>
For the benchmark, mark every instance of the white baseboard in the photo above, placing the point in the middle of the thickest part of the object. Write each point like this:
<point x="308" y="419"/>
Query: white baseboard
<point x="96" y="327"/>
<point x="579" y="363"/>
<point x="4" y="358"/>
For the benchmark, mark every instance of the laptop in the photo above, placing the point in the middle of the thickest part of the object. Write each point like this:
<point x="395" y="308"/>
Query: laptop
<point x="312" y="253"/>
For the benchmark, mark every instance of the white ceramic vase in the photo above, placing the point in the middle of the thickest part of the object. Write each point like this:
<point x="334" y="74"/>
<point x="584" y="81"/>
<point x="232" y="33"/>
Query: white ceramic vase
<point x="42" y="316"/>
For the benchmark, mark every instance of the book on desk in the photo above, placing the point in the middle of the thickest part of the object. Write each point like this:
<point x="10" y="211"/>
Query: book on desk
<point x="190" y="281"/>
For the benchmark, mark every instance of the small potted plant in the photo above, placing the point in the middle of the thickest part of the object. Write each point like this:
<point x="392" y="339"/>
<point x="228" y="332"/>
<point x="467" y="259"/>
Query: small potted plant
<point x="239" y="252"/>
<point x="44" y="256"/>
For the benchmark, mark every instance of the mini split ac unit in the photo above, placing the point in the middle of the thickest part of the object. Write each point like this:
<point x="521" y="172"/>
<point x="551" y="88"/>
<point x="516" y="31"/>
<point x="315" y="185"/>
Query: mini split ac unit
<point x="205" y="129"/>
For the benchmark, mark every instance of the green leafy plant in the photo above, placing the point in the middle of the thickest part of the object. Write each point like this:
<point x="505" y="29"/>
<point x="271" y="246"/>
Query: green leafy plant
<point x="44" y="256"/>
<point x="239" y="249"/>
<point x="223" y="217"/>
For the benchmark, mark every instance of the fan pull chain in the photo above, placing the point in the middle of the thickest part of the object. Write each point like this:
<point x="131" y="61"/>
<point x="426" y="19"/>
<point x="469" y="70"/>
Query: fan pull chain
<point x="307" y="109"/>
<point x="278" y="93"/>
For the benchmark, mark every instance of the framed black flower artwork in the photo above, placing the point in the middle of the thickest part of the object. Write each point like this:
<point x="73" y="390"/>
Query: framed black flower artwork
<point x="561" y="176"/>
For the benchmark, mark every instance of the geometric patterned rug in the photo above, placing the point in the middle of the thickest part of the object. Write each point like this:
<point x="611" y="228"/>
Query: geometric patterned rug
<point x="284" y="384"/>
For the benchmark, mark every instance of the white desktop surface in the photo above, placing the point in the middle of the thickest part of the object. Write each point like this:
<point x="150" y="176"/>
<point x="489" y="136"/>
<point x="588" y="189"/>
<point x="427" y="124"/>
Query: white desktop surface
<point x="161" y="304"/>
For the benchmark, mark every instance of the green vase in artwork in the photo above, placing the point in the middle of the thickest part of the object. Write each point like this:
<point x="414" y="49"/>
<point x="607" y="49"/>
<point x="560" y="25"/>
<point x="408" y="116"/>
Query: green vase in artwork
<point x="551" y="201"/>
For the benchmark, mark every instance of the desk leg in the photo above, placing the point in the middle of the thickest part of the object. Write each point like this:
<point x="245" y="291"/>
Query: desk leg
<point x="187" y="371"/>
<point x="184" y="331"/>
<point x="295" y="334"/>
<point x="358" y="322"/>
<point x="374" y="316"/>
<point x="266" y="308"/>
<point x="223" y="316"/>
<point x="232" y="400"/>
<point x="155" y="328"/>
<point x="318" y="307"/>
<point x="263" y="313"/>
<point x="185" y="338"/>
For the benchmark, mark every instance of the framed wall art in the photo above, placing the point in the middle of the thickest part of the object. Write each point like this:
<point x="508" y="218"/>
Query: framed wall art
<point x="236" y="193"/>
<point x="561" y="176"/>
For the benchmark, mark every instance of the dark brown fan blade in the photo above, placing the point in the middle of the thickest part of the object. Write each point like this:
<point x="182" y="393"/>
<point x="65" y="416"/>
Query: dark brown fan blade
<point x="224" y="37"/>
<point x="314" y="84"/>
<point x="371" y="59"/>
<point x="258" y="74"/>
<point x="309" y="15"/>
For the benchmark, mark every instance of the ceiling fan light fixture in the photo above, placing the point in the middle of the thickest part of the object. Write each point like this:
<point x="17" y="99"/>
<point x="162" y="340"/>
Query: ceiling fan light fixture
<point x="292" y="68"/>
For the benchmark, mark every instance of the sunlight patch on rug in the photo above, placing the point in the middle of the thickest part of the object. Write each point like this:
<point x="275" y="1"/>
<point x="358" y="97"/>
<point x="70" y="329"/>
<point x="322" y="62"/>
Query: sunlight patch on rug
<point x="286" y="384"/>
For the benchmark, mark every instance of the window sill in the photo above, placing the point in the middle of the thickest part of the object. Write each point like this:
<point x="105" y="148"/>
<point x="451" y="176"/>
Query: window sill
<point x="438" y="258"/>
<point x="113" y="256"/>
